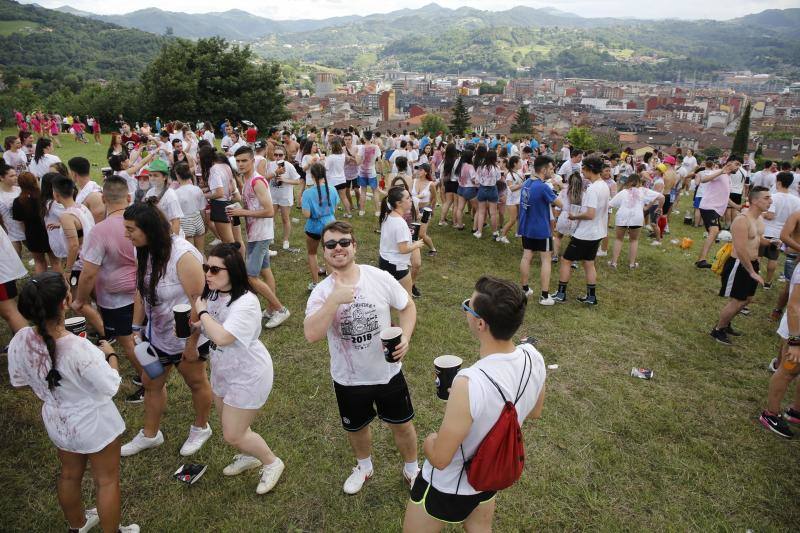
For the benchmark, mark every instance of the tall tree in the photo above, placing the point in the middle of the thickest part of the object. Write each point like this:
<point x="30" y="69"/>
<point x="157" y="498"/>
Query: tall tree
<point x="522" y="121"/>
<point x="433" y="123"/>
<point x="742" y="133"/>
<point x="212" y="80"/>
<point x="461" y="118"/>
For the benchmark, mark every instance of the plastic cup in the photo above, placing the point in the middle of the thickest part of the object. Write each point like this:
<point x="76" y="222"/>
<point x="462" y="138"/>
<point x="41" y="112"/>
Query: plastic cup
<point x="390" y="338"/>
<point x="181" y="313"/>
<point x="446" y="368"/>
<point x="76" y="325"/>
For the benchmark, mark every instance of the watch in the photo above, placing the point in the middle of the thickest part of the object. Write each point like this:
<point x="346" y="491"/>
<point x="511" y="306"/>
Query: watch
<point x="793" y="340"/>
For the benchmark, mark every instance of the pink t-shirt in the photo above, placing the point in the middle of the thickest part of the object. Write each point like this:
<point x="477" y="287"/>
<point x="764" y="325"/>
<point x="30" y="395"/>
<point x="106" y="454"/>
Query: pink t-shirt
<point x="716" y="193"/>
<point x="107" y="247"/>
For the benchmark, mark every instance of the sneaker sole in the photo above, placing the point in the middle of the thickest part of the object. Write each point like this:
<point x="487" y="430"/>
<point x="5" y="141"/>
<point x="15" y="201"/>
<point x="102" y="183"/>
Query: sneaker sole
<point x="772" y="429"/>
<point x="245" y="469"/>
<point x="722" y="342"/>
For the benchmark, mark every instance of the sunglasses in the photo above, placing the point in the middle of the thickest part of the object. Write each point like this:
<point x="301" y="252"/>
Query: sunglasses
<point x="344" y="243"/>
<point x="279" y="154"/>
<point x="213" y="269"/>
<point x="465" y="306"/>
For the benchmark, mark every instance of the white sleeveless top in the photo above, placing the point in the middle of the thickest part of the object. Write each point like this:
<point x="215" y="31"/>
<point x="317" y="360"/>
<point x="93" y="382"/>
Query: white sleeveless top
<point x="82" y="213"/>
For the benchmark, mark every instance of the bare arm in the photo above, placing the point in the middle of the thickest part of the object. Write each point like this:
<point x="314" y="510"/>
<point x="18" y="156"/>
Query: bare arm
<point x="70" y="228"/>
<point x="440" y="447"/>
<point x="267" y="210"/>
<point x="788" y="232"/>
<point x="190" y="272"/>
<point x="95" y="204"/>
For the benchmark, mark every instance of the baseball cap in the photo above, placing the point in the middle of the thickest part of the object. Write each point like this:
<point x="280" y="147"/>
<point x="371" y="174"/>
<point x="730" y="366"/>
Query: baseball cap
<point x="259" y="144"/>
<point x="158" y="166"/>
<point x="669" y="160"/>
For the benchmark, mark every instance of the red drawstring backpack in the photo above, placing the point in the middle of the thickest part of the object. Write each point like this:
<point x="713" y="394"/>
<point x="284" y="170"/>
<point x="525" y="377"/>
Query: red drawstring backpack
<point x="500" y="458"/>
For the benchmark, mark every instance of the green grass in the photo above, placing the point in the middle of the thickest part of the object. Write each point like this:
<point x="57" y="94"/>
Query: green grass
<point x="681" y="452"/>
<point x="9" y="27"/>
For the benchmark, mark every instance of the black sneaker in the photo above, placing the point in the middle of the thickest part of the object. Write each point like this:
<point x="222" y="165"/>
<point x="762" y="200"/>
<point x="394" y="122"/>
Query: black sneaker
<point x="415" y="291"/>
<point x="767" y="286"/>
<point x="588" y="300"/>
<point x="432" y="253"/>
<point x="702" y="264"/>
<point x="560" y="297"/>
<point x="730" y="331"/>
<point x="721" y="337"/>
<point x="791" y="416"/>
<point x="776" y="424"/>
<point x="745" y="311"/>
<point x="137" y="380"/>
<point x="136" y="397"/>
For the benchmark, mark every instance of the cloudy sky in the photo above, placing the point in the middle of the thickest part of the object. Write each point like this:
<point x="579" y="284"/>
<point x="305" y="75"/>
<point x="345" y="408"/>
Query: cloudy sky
<point x="296" y="9"/>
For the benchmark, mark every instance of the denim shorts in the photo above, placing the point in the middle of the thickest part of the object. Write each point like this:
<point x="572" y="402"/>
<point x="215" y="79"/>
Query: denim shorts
<point x="364" y="181"/>
<point x="257" y="257"/>
<point x="789" y="265"/>
<point x="468" y="193"/>
<point x="488" y="194"/>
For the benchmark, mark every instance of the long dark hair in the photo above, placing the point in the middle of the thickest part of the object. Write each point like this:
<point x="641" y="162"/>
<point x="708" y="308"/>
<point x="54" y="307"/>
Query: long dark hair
<point x="152" y="222"/>
<point x="41" y="145"/>
<point x="480" y="153"/>
<point x="237" y="272"/>
<point x="29" y="190"/>
<point x="40" y="302"/>
<point x="182" y="171"/>
<point x="46" y="197"/>
<point x="489" y="160"/>
<point x="450" y="156"/>
<point x="390" y="201"/>
<point x="466" y="159"/>
<point x="318" y="173"/>
<point x="206" y="156"/>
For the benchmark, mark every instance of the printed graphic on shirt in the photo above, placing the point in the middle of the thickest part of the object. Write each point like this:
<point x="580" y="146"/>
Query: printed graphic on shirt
<point x="359" y="324"/>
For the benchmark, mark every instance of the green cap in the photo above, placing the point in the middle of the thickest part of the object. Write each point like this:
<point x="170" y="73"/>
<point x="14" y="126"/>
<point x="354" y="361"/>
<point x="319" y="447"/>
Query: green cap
<point x="158" y="166"/>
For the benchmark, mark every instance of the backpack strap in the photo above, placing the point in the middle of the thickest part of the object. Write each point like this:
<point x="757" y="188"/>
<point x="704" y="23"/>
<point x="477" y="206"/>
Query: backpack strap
<point x="522" y="387"/>
<point x="495" y="385"/>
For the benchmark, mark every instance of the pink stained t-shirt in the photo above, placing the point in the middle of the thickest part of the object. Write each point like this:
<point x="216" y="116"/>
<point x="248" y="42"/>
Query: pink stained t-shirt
<point x="107" y="247"/>
<point x="716" y="193"/>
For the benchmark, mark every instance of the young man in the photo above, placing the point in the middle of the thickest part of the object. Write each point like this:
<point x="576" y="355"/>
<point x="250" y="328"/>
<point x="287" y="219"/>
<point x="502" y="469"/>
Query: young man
<point x="351" y="307"/>
<point x="90" y="194"/>
<point x="592" y="227"/>
<point x="740" y="277"/>
<point x="534" y="226"/>
<point x="716" y="199"/>
<point x="258" y="213"/>
<point x="109" y="269"/>
<point x="283" y="177"/>
<point x="442" y="492"/>
<point x="368" y="154"/>
<point x="739" y="181"/>
<point x="783" y="205"/>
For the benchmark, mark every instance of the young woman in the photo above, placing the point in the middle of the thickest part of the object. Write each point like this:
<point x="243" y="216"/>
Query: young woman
<point x="193" y="203"/>
<point x="334" y="172"/>
<point x="422" y="192"/>
<point x="115" y="147"/>
<point x="14" y="156"/>
<point x="514" y="181"/>
<point x="396" y="245"/>
<point x="166" y="199"/>
<point x="311" y="155"/>
<point x="11" y="269"/>
<point x="222" y="191"/>
<point x="26" y="210"/>
<point x="77" y="382"/>
<point x="487" y="174"/>
<point x="241" y="371"/>
<point x="467" y="189"/>
<point x="319" y="208"/>
<point x="50" y="211"/>
<point x="449" y="180"/>
<point x="10" y="191"/>
<point x="169" y="272"/>
<point x="55" y="130"/>
<point x="43" y="158"/>
<point x="630" y="203"/>
<point x="351" y="176"/>
<point x="571" y="196"/>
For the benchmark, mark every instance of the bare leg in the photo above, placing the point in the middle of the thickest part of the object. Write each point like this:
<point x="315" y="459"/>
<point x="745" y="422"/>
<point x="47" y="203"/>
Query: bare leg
<point x="313" y="267"/>
<point x="730" y="310"/>
<point x="9" y="313"/>
<point x="105" y="471"/>
<point x="619" y="236"/>
<point x="236" y="432"/>
<point x="405" y="438"/>
<point x="155" y="401"/>
<point x="361" y="442"/>
<point x="287" y="222"/>
<point x="546" y="268"/>
<point x="194" y="374"/>
<point x="73" y="466"/>
<point x="591" y="272"/>
<point x="264" y="290"/>
<point x="633" y="235"/>
<point x="525" y="266"/>
<point x="712" y="236"/>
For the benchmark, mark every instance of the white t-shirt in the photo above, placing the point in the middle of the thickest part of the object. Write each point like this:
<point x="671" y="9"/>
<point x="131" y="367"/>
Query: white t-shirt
<point x="630" y="203"/>
<point x="55" y="237"/>
<point x="15" y="228"/>
<point x="11" y="268"/>
<point x="282" y="194"/>
<point x="354" y="334"/>
<point x="208" y="135"/>
<point x="394" y="230"/>
<point x="737" y="181"/>
<point x="334" y="169"/>
<point x="398" y="153"/>
<point x="689" y="163"/>
<point x="220" y="176"/>
<point x="567" y="168"/>
<point x="86" y="190"/>
<point x="190" y="198"/>
<point x="42" y="167"/>
<point x="511" y="372"/>
<point x="306" y="163"/>
<point x="596" y="196"/>
<point x="367" y="167"/>
<point x="783" y="205"/>
<point x="79" y="414"/>
<point x="84" y="216"/>
<point x="17" y="160"/>
<point x="168" y="204"/>
<point x="513" y="197"/>
<point x="241" y="372"/>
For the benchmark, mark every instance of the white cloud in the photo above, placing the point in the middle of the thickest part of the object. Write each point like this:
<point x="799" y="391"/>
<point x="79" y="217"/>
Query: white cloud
<point x="296" y="9"/>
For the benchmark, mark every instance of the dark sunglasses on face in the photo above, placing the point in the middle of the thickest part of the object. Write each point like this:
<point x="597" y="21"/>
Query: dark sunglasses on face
<point x="213" y="269"/>
<point x="344" y="243"/>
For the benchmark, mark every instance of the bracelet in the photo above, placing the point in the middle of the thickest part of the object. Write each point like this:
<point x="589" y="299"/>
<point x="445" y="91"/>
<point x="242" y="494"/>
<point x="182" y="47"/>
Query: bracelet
<point x="793" y="340"/>
<point x="109" y="356"/>
<point x="136" y="327"/>
<point x="201" y="313"/>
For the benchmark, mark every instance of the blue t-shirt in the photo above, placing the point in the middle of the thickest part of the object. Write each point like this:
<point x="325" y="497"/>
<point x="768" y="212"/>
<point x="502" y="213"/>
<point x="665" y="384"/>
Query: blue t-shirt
<point x="322" y="213"/>
<point x="425" y="141"/>
<point x="534" y="144"/>
<point x="534" y="209"/>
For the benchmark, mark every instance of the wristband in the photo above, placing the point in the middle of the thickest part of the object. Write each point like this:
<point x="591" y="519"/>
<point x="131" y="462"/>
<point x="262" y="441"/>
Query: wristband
<point x="201" y="313"/>
<point x="109" y="356"/>
<point x="793" y="340"/>
<point x="137" y="328"/>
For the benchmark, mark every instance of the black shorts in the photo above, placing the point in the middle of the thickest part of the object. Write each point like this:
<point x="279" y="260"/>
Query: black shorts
<point x="452" y="508"/>
<point x="117" y="322"/>
<point x="8" y="290"/>
<point x="770" y="251"/>
<point x="343" y="186"/>
<point x="628" y="227"/>
<point x="217" y="212"/>
<point x="736" y="281"/>
<point x="315" y="236"/>
<point x="667" y="205"/>
<point x="358" y="403"/>
<point x="392" y="269"/>
<point x="736" y="198"/>
<point x="580" y="250"/>
<point x="175" y="358"/>
<point x="710" y="218"/>
<point x="451" y="186"/>
<point x="537" y="245"/>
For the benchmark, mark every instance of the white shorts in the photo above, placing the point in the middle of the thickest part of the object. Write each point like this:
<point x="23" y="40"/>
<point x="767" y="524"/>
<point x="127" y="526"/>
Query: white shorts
<point x="192" y="225"/>
<point x="282" y="195"/>
<point x="242" y="392"/>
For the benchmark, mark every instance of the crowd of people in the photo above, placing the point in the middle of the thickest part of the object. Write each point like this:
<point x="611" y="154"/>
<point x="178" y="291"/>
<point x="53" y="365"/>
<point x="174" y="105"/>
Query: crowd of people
<point x="126" y="253"/>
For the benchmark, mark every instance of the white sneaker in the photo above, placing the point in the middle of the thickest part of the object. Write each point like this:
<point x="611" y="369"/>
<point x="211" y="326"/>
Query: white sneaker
<point x="270" y="474"/>
<point x="547" y="301"/>
<point x="410" y="480"/>
<point x="197" y="437"/>
<point x="216" y="242"/>
<point x="529" y="293"/>
<point x="655" y="243"/>
<point x="295" y="220"/>
<point x="31" y="262"/>
<point x="354" y="483"/>
<point x="92" y="519"/>
<point x="477" y="234"/>
<point x="361" y="213"/>
<point x="772" y="367"/>
<point x="504" y="240"/>
<point x="131" y="528"/>
<point x="141" y="443"/>
<point x="601" y="253"/>
<point x="278" y="318"/>
<point x="241" y="462"/>
<point x="273" y="253"/>
<point x="285" y="245"/>
<point x="266" y="313"/>
<point x="311" y="286"/>
<point x="377" y="213"/>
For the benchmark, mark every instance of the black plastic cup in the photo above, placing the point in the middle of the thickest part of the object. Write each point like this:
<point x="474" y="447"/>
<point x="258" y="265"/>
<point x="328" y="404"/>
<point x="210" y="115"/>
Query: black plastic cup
<point x="415" y="227"/>
<point x="446" y="368"/>
<point x="181" y="313"/>
<point x="390" y="338"/>
<point x="76" y="325"/>
<point x="426" y="214"/>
